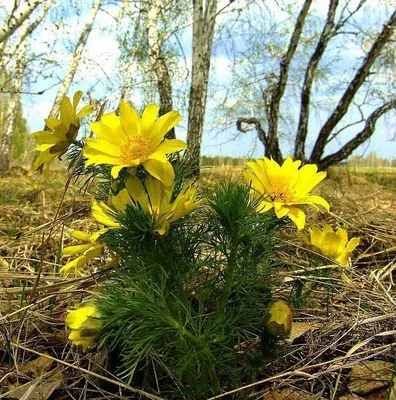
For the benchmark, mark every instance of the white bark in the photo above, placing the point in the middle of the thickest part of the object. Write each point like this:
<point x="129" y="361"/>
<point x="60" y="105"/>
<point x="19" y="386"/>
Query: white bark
<point x="158" y="62"/>
<point x="26" y="29"/>
<point x="18" y="16"/>
<point x="12" y="111"/>
<point x="82" y="41"/>
<point x="204" y="20"/>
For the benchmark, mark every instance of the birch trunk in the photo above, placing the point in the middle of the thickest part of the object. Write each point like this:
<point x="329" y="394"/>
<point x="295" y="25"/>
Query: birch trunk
<point x="7" y="53"/>
<point x="158" y="62"/>
<point x="204" y="20"/>
<point x="82" y="41"/>
<point x="17" y="17"/>
<point x="12" y="111"/>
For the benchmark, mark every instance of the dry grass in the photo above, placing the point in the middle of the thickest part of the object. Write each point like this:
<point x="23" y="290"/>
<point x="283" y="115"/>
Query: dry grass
<point x="355" y="322"/>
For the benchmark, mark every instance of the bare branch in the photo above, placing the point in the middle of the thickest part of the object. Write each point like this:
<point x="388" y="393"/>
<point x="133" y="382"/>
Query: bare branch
<point x="360" y="138"/>
<point x="356" y="83"/>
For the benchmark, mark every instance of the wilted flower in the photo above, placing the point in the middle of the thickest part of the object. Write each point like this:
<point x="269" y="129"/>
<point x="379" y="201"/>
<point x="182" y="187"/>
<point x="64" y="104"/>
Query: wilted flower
<point x="84" y="323"/>
<point x="130" y="141"/>
<point x="63" y="131"/>
<point x="285" y="188"/>
<point x="334" y="245"/>
<point x="90" y="249"/>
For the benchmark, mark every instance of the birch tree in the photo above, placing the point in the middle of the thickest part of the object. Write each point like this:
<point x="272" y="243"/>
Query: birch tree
<point x="20" y="12"/>
<point x="158" y="61"/>
<point x="8" y="50"/>
<point x="14" y="55"/>
<point x="204" y="21"/>
<point x="75" y="59"/>
<point x="13" y="105"/>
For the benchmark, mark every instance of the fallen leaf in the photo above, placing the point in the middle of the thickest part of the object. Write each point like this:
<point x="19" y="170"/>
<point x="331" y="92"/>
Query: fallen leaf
<point x="299" y="329"/>
<point x="291" y="394"/>
<point x="37" y="367"/>
<point x="36" y="389"/>
<point x="370" y="376"/>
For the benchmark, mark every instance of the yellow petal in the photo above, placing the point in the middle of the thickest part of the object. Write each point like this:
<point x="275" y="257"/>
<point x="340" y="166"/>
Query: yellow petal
<point x="97" y="157"/>
<point x="75" y="318"/>
<point x="94" y="252"/>
<point x="86" y="110"/>
<point x="121" y="200"/>
<point x="52" y="123"/>
<point x="154" y="191"/>
<point x="79" y="235"/>
<point x="171" y="146"/>
<point x="352" y="244"/>
<point x="163" y="125"/>
<point x="76" y="99"/>
<point x="103" y="146"/>
<point x="115" y="171"/>
<point x="104" y="215"/>
<point x="297" y="216"/>
<point x="77" y="264"/>
<point x="137" y="192"/>
<point x="148" y="118"/>
<point x="67" y="115"/>
<point x="313" y="199"/>
<point x="73" y="250"/>
<point x="160" y="168"/>
<point x="281" y="211"/>
<point x="106" y="133"/>
<point x="130" y="120"/>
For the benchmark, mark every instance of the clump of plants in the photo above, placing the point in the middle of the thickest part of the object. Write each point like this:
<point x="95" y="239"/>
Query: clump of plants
<point x="186" y="309"/>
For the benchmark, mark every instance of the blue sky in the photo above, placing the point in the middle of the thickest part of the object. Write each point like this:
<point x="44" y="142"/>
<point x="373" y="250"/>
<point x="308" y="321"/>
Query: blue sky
<point x="100" y="60"/>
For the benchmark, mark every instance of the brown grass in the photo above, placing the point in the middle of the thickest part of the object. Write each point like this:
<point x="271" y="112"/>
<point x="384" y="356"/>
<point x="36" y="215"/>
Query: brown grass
<point x="355" y="322"/>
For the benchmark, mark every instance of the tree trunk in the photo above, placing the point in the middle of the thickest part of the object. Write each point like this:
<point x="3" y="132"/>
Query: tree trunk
<point x="82" y="41"/>
<point x="326" y="35"/>
<point x="349" y="94"/>
<point x="158" y="62"/>
<point x="6" y="54"/>
<point x="204" y="20"/>
<point x="12" y="111"/>
<point x="17" y="17"/>
<point x="273" y="149"/>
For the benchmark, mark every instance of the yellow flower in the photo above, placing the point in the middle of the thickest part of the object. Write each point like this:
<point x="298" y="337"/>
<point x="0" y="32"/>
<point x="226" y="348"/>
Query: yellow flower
<point x="156" y="199"/>
<point x="285" y="188"/>
<point x="63" y="131"/>
<point x="91" y="249"/>
<point x="130" y="141"/>
<point x="334" y="245"/>
<point x="278" y="320"/>
<point x="84" y="324"/>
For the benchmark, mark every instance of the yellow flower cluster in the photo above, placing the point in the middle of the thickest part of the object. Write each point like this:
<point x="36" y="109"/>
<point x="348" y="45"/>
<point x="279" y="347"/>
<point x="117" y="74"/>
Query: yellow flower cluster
<point x="62" y="132"/>
<point x="334" y="245"/>
<point x="286" y="190"/>
<point x="133" y="143"/>
<point x="124" y="141"/>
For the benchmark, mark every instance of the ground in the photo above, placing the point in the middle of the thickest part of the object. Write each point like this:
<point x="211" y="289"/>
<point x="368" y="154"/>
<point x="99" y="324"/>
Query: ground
<point x="343" y="339"/>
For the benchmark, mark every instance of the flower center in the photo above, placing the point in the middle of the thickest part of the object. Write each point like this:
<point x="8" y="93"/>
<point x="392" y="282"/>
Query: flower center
<point x="281" y="192"/>
<point x="134" y="149"/>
